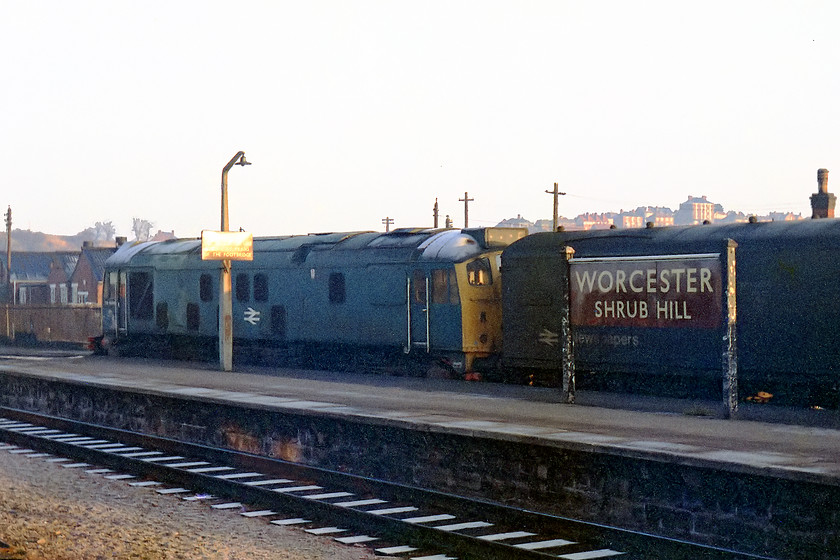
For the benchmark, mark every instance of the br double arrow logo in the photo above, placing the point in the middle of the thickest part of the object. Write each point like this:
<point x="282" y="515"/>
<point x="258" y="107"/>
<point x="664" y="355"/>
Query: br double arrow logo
<point x="548" y="337"/>
<point x="252" y="316"/>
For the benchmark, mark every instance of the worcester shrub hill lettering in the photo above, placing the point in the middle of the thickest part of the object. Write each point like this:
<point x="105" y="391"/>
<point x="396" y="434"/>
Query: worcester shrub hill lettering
<point x="659" y="293"/>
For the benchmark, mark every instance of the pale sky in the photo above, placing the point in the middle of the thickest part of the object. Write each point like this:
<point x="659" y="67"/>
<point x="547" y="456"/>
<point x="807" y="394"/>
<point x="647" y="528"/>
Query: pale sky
<point x="353" y="111"/>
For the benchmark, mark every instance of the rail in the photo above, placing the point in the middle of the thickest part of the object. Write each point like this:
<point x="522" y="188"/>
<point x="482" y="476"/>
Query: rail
<point x="371" y="510"/>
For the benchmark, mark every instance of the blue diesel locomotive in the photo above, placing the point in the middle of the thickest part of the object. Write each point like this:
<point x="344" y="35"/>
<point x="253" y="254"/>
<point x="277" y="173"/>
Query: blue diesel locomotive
<point x="331" y="300"/>
<point x="426" y="299"/>
<point x="787" y="287"/>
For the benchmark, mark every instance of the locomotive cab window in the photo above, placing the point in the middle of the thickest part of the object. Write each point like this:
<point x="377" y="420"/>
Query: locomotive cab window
<point x="109" y="288"/>
<point x="141" y="290"/>
<point x="444" y="286"/>
<point x="418" y="286"/>
<point x="479" y="272"/>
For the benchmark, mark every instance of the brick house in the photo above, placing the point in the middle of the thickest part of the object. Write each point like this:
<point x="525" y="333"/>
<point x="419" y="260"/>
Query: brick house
<point x="59" y="278"/>
<point x="30" y="273"/>
<point x="86" y="280"/>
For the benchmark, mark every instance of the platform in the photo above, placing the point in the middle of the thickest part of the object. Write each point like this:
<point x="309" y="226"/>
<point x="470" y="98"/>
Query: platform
<point x="678" y="431"/>
<point x="767" y="483"/>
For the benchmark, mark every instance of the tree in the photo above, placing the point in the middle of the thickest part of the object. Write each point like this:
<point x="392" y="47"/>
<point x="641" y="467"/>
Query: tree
<point x="141" y="228"/>
<point x="101" y="231"/>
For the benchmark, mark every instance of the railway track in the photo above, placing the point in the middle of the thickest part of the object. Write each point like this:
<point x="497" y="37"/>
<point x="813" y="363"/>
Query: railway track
<point x="393" y="519"/>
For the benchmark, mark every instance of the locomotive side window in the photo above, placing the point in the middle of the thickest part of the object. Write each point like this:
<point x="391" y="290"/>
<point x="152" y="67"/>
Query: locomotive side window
<point x="109" y="288"/>
<point x="140" y="295"/>
<point x="453" y="288"/>
<point x="278" y="321"/>
<point x="337" y="289"/>
<point x="205" y="287"/>
<point x="444" y="286"/>
<point x="193" y="316"/>
<point x="260" y="287"/>
<point x="479" y="272"/>
<point x="418" y="286"/>
<point x="162" y="315"/>
<point x="243" y="287"/>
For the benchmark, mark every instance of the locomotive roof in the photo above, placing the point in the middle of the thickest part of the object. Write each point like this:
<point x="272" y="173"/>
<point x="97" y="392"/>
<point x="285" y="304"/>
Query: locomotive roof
<point x="679" y="239"/>
<point x="450" y="245"/>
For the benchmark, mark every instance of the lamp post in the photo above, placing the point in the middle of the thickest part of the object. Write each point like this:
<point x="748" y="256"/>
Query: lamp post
<point x="225" y="298"/>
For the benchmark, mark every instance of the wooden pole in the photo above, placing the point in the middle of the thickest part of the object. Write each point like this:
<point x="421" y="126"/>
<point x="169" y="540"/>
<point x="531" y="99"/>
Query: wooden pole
<point x="556" y="219"/>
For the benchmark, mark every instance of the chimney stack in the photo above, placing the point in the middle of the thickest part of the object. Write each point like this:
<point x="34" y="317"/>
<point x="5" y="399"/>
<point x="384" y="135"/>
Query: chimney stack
<point x="822" y="202"/>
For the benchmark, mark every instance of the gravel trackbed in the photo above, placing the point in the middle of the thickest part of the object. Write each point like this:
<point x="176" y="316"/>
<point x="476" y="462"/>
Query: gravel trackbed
<point x="53" y="513"/>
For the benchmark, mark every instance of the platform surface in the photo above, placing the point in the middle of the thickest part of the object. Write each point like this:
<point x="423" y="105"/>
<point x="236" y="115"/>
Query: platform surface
<point x="764" y="440"/>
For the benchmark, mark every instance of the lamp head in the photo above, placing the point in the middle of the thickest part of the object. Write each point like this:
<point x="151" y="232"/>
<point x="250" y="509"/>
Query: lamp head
<point x="242" y="161"/>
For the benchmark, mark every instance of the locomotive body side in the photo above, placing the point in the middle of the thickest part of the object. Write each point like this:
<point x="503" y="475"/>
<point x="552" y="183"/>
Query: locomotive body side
<point x="423" y="293"/>
<point x="788" y="307"/>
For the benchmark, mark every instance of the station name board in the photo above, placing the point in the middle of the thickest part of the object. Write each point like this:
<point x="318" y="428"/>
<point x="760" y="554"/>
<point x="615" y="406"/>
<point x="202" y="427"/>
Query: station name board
<point x="227" y="245"/>
<point x="648" y="291"/>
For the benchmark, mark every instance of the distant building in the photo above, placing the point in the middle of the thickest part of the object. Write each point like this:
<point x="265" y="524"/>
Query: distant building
<point x="660" y="216"/>
<point x="61" y="269"/>
<point x="629" y="220"/>
<point x="784" y="216"/>
<point x="30" y="272"/>
<point x="695" y="211"/>
<point x="57" y="277"/>
<point x="87" y="277"/>
<point x="731" y="217"/>
<point x="546" y="225"/>
<point x="594" y="221"/>
<point x="163" y="236"/>
<point x="517" y="222"/>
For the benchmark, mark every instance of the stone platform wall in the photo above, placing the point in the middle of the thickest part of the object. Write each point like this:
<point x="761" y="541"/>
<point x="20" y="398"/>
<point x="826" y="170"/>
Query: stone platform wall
<point x="759" y="514"/>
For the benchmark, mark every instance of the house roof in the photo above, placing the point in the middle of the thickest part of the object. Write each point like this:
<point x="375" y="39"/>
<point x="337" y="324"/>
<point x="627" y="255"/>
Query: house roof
<point x="35" y="266"/>
<point x="97" y="257"/>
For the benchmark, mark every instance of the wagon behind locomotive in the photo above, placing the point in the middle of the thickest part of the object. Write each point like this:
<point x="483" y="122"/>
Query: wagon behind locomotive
<point x="330" y="300"/>
<point x="788" y="310"/>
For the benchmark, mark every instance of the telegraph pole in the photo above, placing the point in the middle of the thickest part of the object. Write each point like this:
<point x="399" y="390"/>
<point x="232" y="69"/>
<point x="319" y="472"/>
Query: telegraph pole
<point x="435" y="214"/>
<point x="556" y="194"/>
<point x="387" y="221"/>
<point x="466" y="200"/>
<point x="8" y="278"/>
<point x="10" y="296"/>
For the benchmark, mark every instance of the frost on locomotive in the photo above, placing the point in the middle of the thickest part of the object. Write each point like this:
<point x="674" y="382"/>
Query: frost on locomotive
<point x="344" y="300"/>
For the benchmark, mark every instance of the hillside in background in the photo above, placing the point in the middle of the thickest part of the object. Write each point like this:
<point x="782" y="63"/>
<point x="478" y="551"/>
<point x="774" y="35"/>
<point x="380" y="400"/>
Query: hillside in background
<point x="36" y="241"/>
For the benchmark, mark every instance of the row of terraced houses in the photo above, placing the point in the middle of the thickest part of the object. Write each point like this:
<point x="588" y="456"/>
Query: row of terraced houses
<point x="695" y="210"/>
